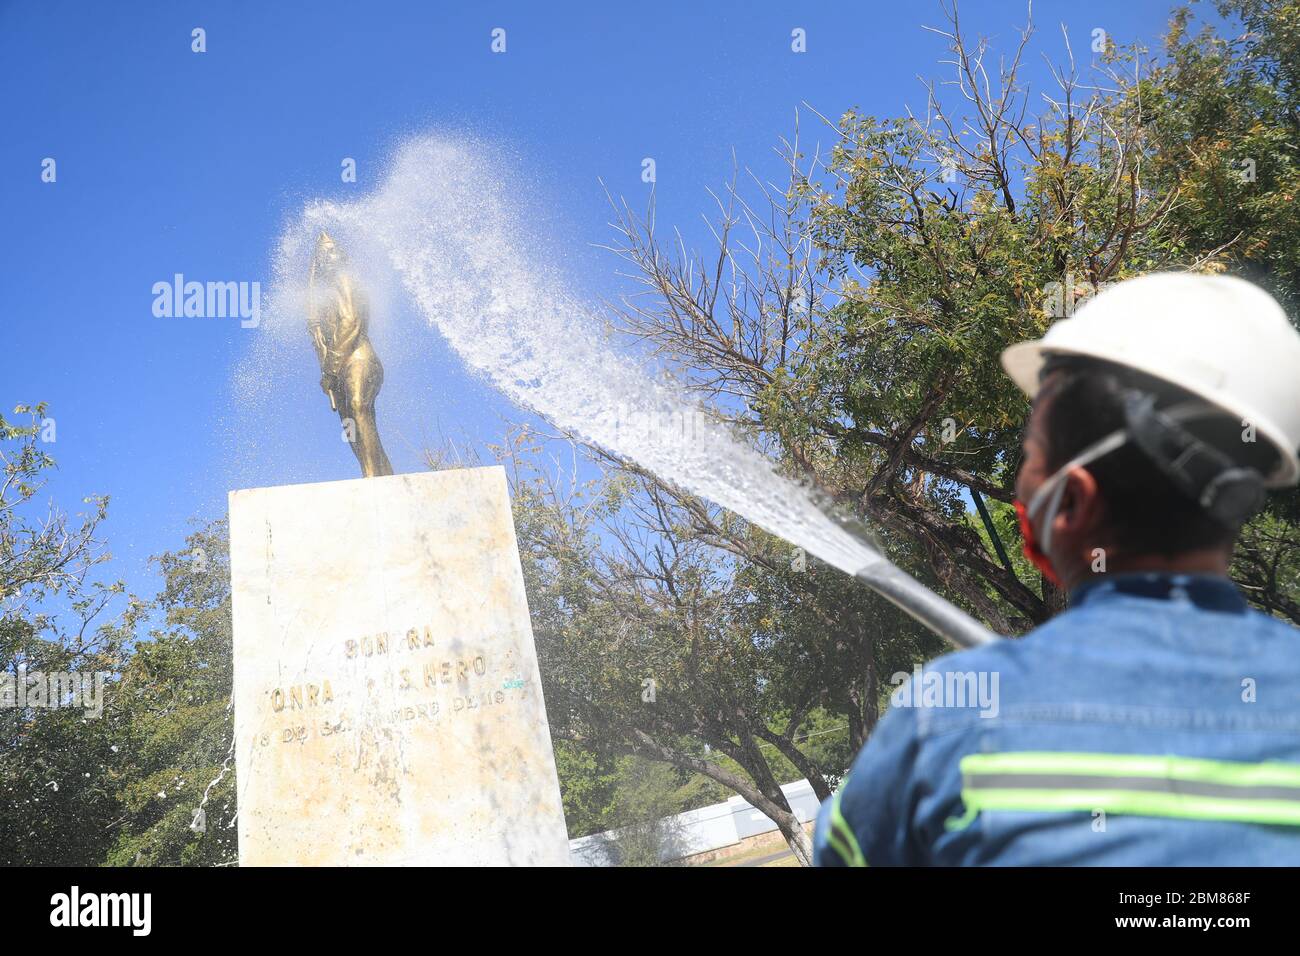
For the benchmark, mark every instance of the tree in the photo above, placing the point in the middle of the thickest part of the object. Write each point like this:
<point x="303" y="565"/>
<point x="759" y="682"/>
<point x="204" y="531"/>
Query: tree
<point x="656" y="643"/>
<point x="122" y="786"/>
<point x="1224" y="114"/>
<point x="52" y="759"/>
<point x="849" y="323"/>
<point x="646" y="834"/>
<point x="172" y="712"/>
<point x="851" y="320"/>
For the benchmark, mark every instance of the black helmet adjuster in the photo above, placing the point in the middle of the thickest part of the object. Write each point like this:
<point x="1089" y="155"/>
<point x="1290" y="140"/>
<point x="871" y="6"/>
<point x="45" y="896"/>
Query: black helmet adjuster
<point x="1228" y="492"/>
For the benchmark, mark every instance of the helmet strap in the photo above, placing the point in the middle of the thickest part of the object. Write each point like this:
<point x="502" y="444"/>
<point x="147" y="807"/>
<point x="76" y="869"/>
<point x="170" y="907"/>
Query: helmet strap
<point x="1049" y="494"/>
<point x="1226" y="491"/>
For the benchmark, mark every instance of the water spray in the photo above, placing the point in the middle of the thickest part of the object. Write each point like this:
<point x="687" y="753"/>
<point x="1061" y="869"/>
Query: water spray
<point x="447" y="221"/>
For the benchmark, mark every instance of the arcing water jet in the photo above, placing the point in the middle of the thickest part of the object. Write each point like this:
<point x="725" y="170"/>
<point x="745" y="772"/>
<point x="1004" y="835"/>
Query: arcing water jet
<point x="445" y="220"/>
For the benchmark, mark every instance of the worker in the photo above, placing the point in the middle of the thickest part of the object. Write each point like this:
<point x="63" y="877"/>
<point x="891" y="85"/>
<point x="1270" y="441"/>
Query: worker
<point x="1156" y="721"/>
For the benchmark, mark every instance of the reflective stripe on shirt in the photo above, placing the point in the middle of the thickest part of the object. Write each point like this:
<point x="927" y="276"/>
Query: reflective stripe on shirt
<point x="1143" y="785"/>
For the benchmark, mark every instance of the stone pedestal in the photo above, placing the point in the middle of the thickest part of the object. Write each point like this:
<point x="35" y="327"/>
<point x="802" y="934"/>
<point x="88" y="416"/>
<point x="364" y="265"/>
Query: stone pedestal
<point x="388" y="707"/>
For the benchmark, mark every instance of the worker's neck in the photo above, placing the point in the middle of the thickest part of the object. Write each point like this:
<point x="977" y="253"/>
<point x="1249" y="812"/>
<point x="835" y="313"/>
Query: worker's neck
<point x="1210" y="561"/>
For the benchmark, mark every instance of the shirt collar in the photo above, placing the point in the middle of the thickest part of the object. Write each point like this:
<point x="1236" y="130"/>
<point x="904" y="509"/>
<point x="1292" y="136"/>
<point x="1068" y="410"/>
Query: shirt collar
<point x="1206" y="591"/>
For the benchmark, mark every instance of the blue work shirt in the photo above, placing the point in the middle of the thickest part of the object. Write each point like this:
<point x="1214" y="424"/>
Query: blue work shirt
<point x="1156" y="722"/>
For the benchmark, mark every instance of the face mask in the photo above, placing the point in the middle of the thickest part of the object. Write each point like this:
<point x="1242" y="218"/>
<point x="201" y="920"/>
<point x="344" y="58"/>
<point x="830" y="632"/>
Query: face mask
<point x="1047" y="499"/>
<point x="1033" y="552"/>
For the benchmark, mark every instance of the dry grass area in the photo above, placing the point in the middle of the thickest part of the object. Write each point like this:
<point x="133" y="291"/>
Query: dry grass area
<point x="766" y="849"/>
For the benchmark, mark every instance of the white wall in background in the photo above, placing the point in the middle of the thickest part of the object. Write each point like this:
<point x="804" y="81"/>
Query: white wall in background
<point x="708" y="828"/>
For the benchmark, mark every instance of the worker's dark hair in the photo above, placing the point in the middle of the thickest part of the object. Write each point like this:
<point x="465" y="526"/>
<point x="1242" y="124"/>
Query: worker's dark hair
<point x="1146" y="511"/>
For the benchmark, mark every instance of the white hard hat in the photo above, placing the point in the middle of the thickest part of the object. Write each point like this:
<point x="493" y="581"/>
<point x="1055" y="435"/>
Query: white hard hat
<point x="1220" y="338"/>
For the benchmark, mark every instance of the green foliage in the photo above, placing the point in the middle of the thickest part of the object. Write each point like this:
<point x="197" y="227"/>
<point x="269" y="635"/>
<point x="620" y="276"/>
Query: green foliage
<point x="588" y="787"/>
<point x="647" y="800"/>
<point x="686" y="655"/>
<point x="173" y="706"/>
<point x="54" y="763"/>
<point x="1223" y="116"/>
<point x="121" y="787"/>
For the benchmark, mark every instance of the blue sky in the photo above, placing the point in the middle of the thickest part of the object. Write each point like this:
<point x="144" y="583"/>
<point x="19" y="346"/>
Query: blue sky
<point x="173" y="161"/>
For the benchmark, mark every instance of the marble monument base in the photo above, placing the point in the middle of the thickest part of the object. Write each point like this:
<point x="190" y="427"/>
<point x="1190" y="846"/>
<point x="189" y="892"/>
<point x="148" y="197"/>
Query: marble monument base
<point x="388" y="707"/>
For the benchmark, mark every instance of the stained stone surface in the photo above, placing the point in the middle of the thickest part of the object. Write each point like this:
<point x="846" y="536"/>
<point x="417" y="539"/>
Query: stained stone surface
<point x="388" y="707"/>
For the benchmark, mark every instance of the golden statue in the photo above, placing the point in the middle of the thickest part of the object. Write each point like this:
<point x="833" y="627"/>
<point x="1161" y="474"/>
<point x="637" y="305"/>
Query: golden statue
<point x="350" y="373"/>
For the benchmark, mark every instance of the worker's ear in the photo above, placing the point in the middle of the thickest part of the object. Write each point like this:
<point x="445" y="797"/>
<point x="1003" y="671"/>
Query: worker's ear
<point x="1082" y="509"/>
